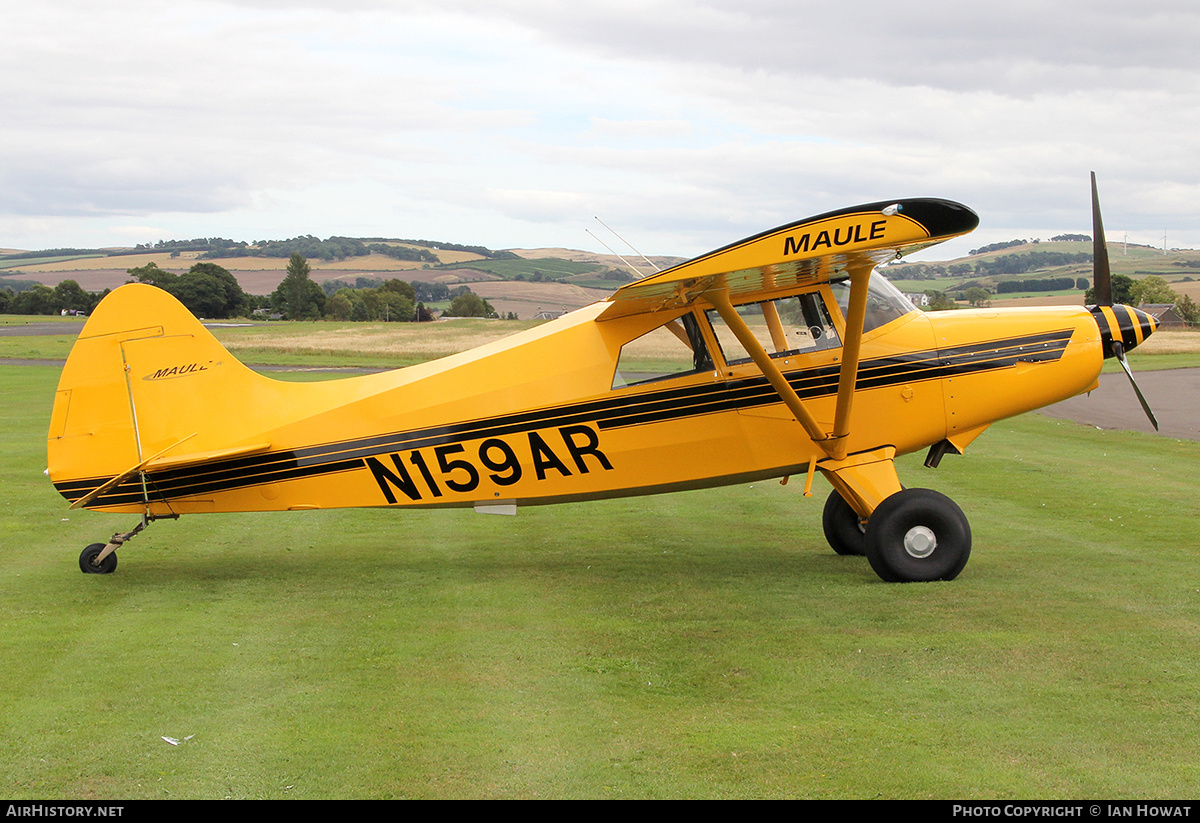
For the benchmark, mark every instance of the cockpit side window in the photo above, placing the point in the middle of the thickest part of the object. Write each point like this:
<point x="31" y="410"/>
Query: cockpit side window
<point x="885" y="302"/>
<point x="673" y="349"/>
<point x="790" y="325"/>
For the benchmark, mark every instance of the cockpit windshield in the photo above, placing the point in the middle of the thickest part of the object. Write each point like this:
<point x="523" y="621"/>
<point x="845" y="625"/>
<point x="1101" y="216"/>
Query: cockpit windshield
<point x="885" y="302"/>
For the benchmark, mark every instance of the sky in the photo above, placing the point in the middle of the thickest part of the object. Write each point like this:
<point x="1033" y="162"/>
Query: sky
<point x="683" y="125"/>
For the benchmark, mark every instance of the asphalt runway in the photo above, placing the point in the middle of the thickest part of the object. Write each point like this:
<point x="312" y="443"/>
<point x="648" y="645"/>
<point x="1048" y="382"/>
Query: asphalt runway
<point x="39" y="329"/>
<point x="1173" y="395"/>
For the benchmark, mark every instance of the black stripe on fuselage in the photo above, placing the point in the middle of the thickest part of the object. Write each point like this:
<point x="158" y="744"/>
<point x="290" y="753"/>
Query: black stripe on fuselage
<point x="608" y="413"/>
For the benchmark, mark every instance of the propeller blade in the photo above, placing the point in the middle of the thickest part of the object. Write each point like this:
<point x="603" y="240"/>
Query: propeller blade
<point x="1101" y="276"/>
<point x="1120" y="352"/>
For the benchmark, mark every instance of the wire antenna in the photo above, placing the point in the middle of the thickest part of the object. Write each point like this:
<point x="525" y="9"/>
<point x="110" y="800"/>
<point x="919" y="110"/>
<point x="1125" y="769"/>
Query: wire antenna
<point x="627" y="243"/>
<point x="632" y="267"/>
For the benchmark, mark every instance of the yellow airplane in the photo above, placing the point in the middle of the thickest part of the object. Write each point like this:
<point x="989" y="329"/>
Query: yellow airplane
<point x="783" y="354"/>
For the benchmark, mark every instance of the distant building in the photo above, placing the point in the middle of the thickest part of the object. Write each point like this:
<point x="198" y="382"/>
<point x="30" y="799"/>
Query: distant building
<point x="1165" y="314"/>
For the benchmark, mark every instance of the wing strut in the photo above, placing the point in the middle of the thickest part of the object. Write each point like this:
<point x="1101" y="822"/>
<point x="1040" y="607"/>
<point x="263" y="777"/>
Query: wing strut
<point x="863" y="480"/>
<point x="856" y="314"/>
<point x="834" y="444"/>
<point x="720" y="301"/>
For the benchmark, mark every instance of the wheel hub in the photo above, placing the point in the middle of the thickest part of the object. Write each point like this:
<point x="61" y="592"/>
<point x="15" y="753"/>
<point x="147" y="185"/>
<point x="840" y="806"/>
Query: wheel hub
<point x="920" y="541"/>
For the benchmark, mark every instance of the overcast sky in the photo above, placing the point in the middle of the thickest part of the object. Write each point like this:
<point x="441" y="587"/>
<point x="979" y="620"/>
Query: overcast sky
<point x="683" y="124"/>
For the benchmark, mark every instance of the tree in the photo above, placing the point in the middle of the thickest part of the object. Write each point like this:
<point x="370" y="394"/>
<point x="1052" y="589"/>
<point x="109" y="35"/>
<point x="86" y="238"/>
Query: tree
<point x="939" y="301"/>
<point x="1152" y="289"/>
<point x="1122" y="288"/>
<point x="1186" y="308"/>
<point x="234" y="301"/>
<point x="394" y="306"/>
<point x="470" y="305"/>
<point x="203" y="294"/>
<point x="152" y="274"/>
<point x="70" y="296"/>
<point x="977" y="296"/>
<point x="37" y="300"/>
<point x="298" y="297"/>
<point x="400" y="287"/>
<point x="339" y="306"/>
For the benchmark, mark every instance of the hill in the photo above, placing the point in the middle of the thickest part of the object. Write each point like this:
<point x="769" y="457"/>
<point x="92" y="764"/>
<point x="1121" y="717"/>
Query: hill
<point x="520" y="281"/>
<point x="1003" y="269"/>
<point x="524" y="280"/>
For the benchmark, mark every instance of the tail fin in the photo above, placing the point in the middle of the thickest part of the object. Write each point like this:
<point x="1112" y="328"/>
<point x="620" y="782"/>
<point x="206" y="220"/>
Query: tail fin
<point x="147" y="385"/>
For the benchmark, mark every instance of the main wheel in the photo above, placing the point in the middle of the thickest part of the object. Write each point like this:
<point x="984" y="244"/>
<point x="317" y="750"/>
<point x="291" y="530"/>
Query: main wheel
<point x="107" y="566"/>
<point x="918" y="535"/>
<point x="843" y="527"/>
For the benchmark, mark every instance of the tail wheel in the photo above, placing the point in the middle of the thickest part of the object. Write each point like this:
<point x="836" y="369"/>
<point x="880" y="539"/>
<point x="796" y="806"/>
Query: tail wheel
<point x="87" y="559"/>
<point x="918" y="535"/>
<point x="843" y="527"/>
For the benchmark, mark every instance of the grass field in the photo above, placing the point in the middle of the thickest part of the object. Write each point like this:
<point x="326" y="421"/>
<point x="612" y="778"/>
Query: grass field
<point x="698" y="645"/>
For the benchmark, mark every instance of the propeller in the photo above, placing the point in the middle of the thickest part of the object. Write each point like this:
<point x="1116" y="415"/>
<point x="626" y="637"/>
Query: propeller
<point x="1119" y="350"/>
<point x="1121" y="323"/>
<point x="1101" y="274"/>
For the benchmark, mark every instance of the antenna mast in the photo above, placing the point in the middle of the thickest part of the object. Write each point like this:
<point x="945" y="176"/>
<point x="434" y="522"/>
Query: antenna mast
<point x="632" y="267"/>
<point x="627" y="243"/>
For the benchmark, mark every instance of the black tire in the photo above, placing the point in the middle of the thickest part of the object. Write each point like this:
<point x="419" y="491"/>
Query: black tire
<point x="918" y="535"/>
<point x="843" y="527"/>
<point x="106" y="566"/>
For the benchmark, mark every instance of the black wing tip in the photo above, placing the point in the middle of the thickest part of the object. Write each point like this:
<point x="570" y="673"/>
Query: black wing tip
<point x="940" y="218"/>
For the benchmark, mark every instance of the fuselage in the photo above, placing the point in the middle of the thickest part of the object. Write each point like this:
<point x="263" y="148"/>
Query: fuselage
<point x="585" y="408"/>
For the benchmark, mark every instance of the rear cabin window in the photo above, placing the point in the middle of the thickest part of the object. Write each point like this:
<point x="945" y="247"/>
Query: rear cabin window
<point x="673" y="349"/>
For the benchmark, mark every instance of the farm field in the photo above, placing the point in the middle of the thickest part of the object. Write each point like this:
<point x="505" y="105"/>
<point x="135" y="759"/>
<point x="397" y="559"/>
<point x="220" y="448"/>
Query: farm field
<point x="696" y="645"/>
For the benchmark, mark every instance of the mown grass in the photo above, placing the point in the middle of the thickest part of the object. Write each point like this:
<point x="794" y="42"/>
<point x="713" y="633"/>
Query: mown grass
<point x="696" y="645"/>
<point x="357" y="344"/>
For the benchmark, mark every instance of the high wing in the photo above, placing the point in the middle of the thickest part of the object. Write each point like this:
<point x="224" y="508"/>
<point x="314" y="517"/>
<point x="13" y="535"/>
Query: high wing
<point x="848" y="244"/>
<point x="807" y="252"/>
<point x="153" y="412"/>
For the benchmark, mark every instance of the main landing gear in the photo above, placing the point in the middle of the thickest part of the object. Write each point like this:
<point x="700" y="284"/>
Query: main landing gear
<point x="913" y="535"/>
<point x="844" y="529"/>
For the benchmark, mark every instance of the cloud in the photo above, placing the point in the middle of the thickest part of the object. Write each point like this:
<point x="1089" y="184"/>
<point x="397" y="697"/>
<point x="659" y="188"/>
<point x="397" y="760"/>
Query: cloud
<point x="510" y="123"/>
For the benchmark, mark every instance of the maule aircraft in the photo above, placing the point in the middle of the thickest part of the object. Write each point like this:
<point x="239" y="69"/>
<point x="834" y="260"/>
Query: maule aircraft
<point x="782" y="355"/>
